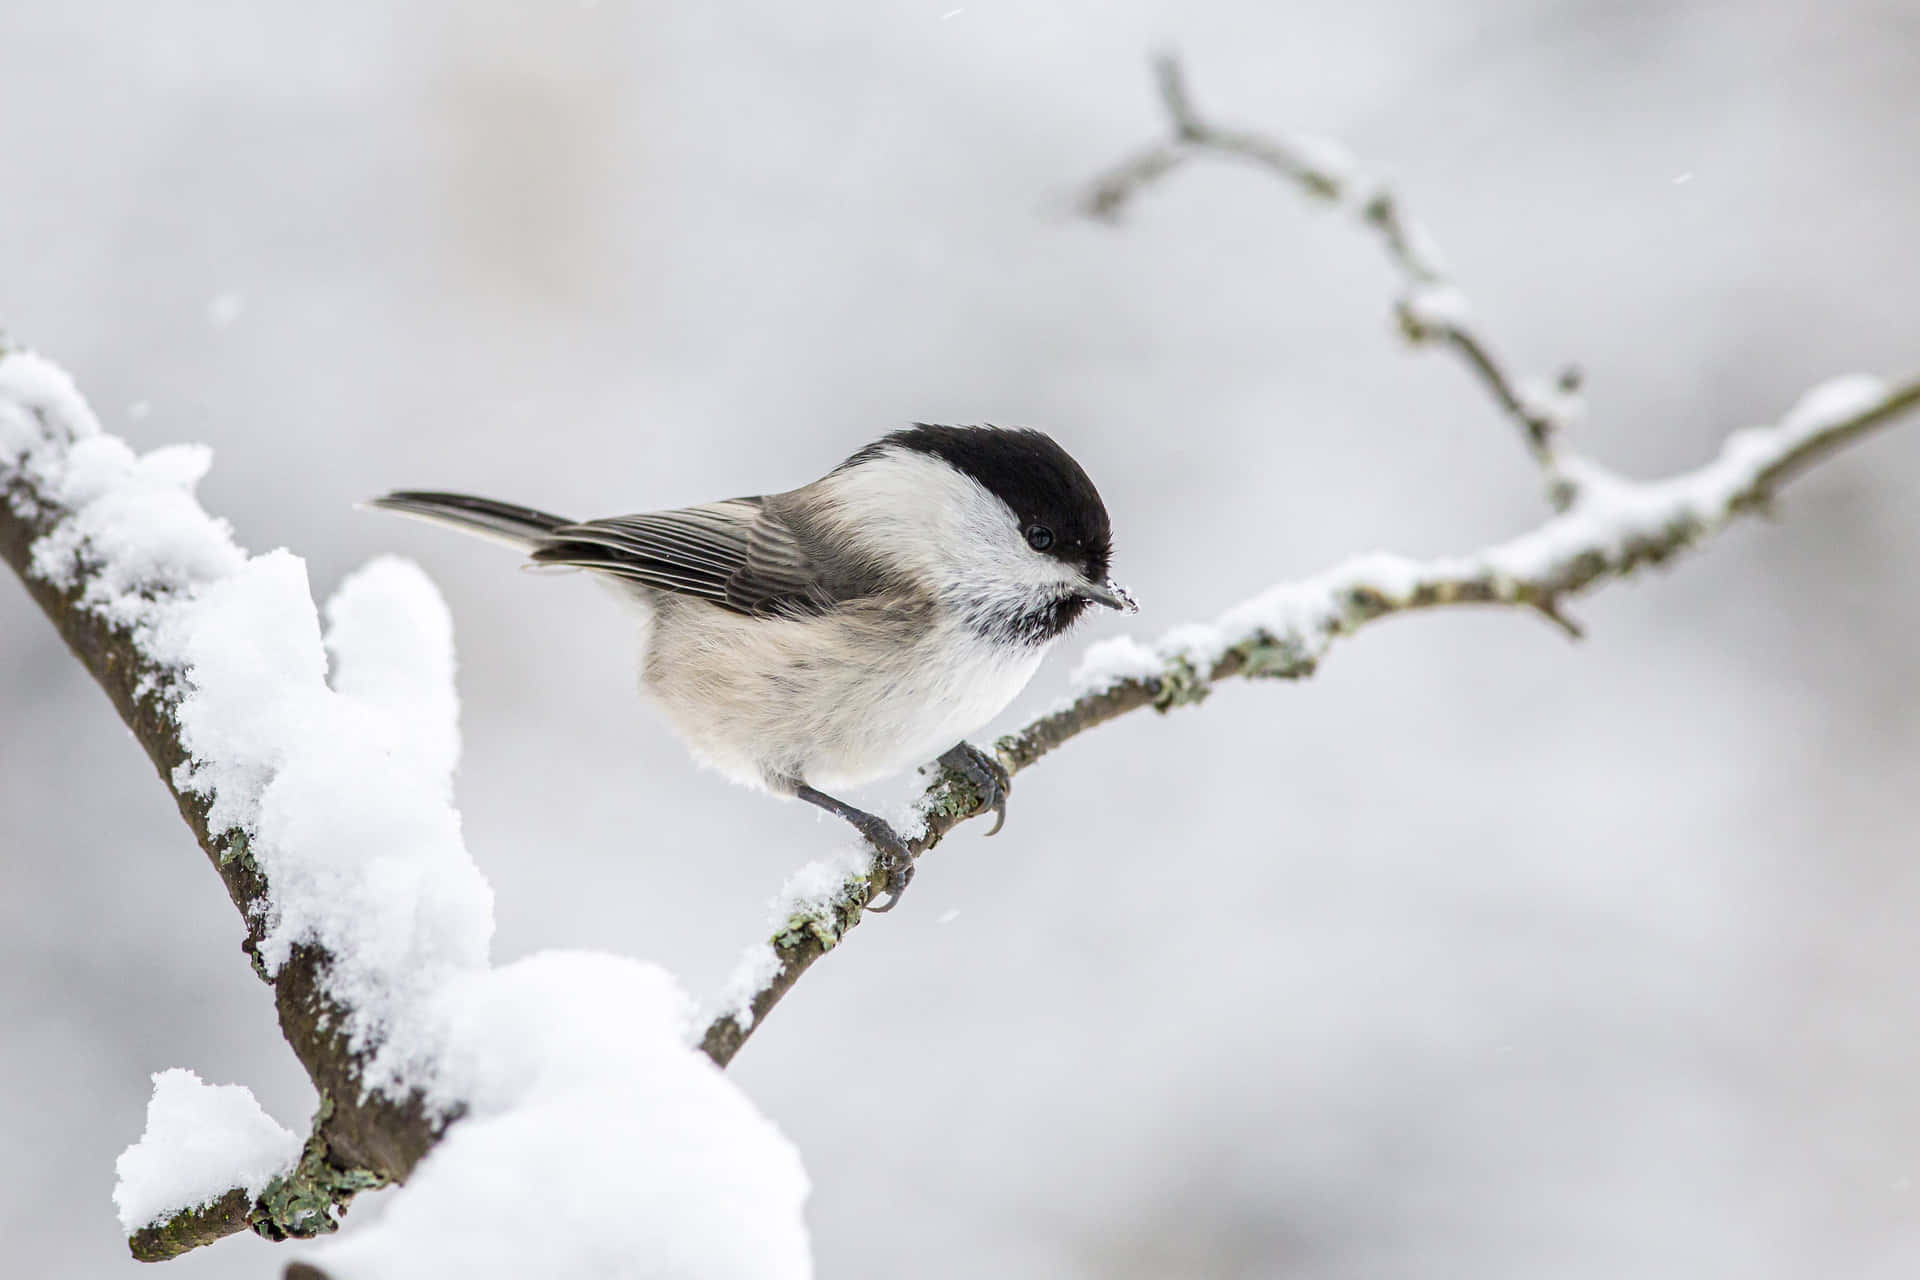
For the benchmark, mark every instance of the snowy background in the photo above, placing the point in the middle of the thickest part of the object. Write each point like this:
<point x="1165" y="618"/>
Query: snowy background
<point x="1479" y="954"/>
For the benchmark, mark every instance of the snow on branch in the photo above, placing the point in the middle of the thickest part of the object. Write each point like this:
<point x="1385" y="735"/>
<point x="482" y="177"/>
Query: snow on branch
<point x="1430" y="308"/>
<point x="204" y="1143"/>
<point x="116" y="552"/>
<point x="316" y="772"/>
<point x="1606" y="528"/>
<point x="1612" y="527"/>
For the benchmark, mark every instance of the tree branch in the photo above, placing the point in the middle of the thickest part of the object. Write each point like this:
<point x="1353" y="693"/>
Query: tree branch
<point x="365" y="1136"/>
<point x="1611" y="527"/>
<point x="360" y="1139"/>
<point x="1430" y="309"/>
<point x="1607" y="527"/>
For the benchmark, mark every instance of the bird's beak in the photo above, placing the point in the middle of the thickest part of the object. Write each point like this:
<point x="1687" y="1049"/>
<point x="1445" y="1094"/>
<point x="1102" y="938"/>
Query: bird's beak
<point x="1110" y="594"/>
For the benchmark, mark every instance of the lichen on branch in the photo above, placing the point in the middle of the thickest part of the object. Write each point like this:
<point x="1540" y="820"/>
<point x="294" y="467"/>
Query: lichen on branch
<point x="314" y="766"/>
<point x="1606" y="527"/>
<point x="107" y="544"/>
<point x="385" y="993"/>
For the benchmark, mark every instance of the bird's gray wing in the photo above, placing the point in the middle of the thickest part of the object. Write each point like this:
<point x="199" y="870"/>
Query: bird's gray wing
<point x="737" y="554"/>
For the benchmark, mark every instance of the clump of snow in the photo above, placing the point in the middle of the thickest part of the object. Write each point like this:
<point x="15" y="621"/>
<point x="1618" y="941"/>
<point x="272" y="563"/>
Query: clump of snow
<point x="1112" y="661"/>
<point x="1821" y="408"/>
<point x="1437" y="307"/>
<point x="757" y="966"/>
<point x="821" y="885"/>
<point x="1386" y="574"/>
<point x="345" y="795"/>
<point x="1296" y="609"/>
<point x="596" y="1144"/>
<point x="389" y="641"/>
<point x="134" y="519"/>
<point x="1833" y="402"/>
<point x="38" y="400"/>
<point x="586" y="1113"/>
<point x="1610" y="515"/>
<point x="1306" y="615"/>
<point x="1423" y="251"/>
<point x="202" y="1140"/>
<point x="343" y="792"/>
<point x="812" y="893"/>
<point x="1198" y="644"/>
<point x="1550" y="401"/>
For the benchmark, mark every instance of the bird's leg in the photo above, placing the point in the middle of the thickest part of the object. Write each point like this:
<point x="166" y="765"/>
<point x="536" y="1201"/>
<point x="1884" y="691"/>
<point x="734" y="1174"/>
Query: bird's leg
<point x="989" y="777"/>
<point x="895" y="858"/>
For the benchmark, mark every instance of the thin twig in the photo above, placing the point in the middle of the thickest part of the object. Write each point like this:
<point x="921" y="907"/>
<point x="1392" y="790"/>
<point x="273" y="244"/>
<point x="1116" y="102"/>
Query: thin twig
<point x="1607" y="528"/>
<point x="1611" y="528"/>
<point x="1430" y="309"/>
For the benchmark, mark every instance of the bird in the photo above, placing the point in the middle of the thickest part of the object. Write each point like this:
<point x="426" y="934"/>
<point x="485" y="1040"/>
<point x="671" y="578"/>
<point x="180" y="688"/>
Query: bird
<point x="808" y="641"/>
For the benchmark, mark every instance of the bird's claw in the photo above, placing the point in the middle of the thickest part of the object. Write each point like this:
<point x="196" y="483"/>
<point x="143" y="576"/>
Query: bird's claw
<point x="895" y="858"/>
<point x="988" y="776"/>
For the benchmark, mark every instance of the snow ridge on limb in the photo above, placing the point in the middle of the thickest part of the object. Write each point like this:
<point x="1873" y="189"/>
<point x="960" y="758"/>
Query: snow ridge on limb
<point x="1606" y="528"/>
<point x="1612" y="527"/>
<point x="326" y="808"/>
<point x="202" y="1142"/>
<point x="214" y="660"/>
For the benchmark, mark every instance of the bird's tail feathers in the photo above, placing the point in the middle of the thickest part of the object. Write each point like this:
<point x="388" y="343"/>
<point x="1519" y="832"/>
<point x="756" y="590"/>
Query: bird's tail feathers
<point x="521" y="527"/>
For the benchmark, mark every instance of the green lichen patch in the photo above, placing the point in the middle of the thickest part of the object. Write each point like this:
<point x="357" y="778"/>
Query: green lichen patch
<point x="1180" y="686"/>
<point x="1271" y="657"/>
<point x="235" y="846"/>
<point x="189" y="1229"/>
<point x="307" y="1200"/>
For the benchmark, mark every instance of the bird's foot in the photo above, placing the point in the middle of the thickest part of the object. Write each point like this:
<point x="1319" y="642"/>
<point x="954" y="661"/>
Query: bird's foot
<point x="895" y="858"/>
<point x="988" y="776"/>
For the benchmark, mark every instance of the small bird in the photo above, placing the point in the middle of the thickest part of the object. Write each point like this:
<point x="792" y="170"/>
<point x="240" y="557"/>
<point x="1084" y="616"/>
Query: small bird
<point x="843" y="631"/>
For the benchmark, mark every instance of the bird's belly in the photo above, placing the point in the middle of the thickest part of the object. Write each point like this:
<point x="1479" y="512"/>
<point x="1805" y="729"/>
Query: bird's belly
<point x="768" y="703"/>
<point x="916" y="715"/>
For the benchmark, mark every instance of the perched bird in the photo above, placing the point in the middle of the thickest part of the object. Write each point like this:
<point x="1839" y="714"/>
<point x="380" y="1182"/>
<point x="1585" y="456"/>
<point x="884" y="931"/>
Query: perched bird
<point x="853" y="627"/>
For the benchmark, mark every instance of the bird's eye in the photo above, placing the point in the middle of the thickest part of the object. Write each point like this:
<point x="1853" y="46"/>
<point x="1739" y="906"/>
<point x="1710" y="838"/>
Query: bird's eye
<point x="1039" y="537"/>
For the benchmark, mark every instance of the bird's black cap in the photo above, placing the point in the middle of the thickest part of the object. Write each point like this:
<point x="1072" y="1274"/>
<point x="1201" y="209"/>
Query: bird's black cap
<point x="1026" y="470"/>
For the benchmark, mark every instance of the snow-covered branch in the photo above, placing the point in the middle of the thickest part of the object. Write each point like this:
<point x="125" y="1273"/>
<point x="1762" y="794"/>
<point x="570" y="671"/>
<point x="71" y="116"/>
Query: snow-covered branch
<point x="1612" y="527"/>
<point x="1430" y="307"/>
<point x="314" y="765"/>
<point x="127" y="566"/>
<point x="316" y="772"/>
<point x="1606" y="527"/>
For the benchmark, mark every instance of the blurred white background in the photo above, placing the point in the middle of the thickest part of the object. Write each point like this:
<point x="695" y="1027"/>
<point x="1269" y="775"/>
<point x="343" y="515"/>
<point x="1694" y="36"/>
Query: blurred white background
<point x="1480" y="954"/>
